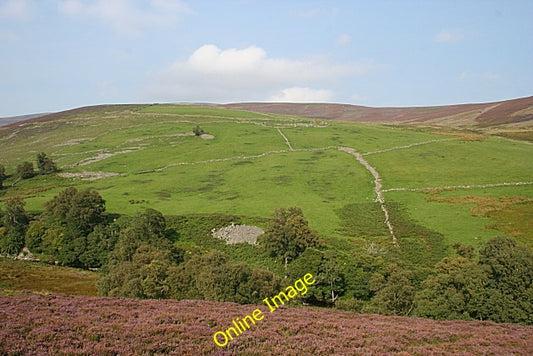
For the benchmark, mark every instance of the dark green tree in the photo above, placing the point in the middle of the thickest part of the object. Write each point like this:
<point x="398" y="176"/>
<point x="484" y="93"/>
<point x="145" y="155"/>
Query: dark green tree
<point x="45" y="164"/>
<point x="72" y="246"/>
<point x="213" y="277"/>
<point x="80" y="210"/>
<point x="142" y="258"/>
<point x="466" y="251"/>
<point x="70" y="217"/>
<point x="97" y="246"/>
<point x="198" y="131"/>
<point x="25" y="170"/>
<point x="455" y="291"/>
<point x="34" y="236"/>
<point x="288" y="234"/>
<point x="325" y="266"/>
<point x="15" y="222"/>
<point x="141" y="274"/>
<point x="510" y="281"/>
<point x="394" y="292"/>
<point x="149" y="223"/>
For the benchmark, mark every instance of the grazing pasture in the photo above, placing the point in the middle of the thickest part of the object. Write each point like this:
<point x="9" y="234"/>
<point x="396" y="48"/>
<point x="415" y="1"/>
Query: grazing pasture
<point x="147" y="156"/>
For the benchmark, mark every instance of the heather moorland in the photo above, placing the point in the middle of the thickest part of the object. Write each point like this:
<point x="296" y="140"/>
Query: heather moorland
<point x="72" y="325"/>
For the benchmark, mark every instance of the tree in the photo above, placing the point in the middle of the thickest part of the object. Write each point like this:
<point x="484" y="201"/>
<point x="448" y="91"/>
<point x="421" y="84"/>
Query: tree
<point x="394" y="292"/>
<point x="326" y="269"/>
<point x="97" y="245"/>
<point x="288" y="234"/>
<point x="455" y="291"/>
<point x="213" y="277"/>
<point x="80" y="210"/>
<point x="15" y="222"/>
<point x="45" y="164"/>
<point x="149" y="223"/>
<point x="25" y="170"/>
<point x="34" y="236"/>
<point x="510" y="281"/>
<point x="3" y="175"/>
<point x="125" y="277"/>
<point x="70" y="217"/>
<point x="198" y="131"/>
<point x="466" y="251"/>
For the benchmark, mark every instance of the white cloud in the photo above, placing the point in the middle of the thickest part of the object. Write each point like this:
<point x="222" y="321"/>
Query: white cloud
<point x="129" y="18"/>
<point x="16" y="9"/>
<point x="344" y="39"/>
<point x="303" y="95"/>
<point x="214" y="74"/>
<point x="448" y="36"/>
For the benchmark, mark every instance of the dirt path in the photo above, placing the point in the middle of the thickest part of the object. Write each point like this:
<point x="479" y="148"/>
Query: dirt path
<point x="379" y="192"/>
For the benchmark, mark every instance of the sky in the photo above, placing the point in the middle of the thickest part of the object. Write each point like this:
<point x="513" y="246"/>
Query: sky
<point x="61" y="54"/>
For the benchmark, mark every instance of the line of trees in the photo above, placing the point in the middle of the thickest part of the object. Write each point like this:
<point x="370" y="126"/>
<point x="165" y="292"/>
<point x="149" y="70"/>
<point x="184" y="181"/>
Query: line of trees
<point x="138" y="257"/>
<point x="26" y="170"/>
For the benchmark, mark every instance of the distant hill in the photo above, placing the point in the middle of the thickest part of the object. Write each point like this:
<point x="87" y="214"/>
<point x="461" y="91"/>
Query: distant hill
<point x="13" y="119"/>
<point x="75" y="325"/>
<point x="516" y="112"/>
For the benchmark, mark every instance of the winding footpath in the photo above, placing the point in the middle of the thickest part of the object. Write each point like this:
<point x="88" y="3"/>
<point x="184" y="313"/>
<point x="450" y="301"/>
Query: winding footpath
<point x="377" y="189"/>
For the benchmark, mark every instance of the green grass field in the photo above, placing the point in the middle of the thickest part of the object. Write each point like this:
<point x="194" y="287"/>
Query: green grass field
<point x="249" y="169"/>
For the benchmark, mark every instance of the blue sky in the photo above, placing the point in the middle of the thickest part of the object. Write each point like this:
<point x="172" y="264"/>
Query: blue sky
<point x="61" y="54"/>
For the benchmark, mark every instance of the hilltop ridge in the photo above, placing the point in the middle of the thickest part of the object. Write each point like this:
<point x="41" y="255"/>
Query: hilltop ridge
<point x="515" y="112"/>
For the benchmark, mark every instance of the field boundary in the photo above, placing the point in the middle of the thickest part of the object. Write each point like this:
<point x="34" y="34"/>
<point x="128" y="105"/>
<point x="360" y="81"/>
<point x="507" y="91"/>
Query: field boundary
<point x="377" y="182"/>
<point x="286" y="139"/>
<point x="407" y="146"/>
<point x="451" y="187"/>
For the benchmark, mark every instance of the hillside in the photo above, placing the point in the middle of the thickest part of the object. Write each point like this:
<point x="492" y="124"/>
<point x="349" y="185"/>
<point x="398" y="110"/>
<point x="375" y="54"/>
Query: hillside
<point x="144" y="156"/>
<point x="397" y="208"/>
<point x="59" y="324"/>
<point x="516" y="113"/>
<point x="13" y="119"/>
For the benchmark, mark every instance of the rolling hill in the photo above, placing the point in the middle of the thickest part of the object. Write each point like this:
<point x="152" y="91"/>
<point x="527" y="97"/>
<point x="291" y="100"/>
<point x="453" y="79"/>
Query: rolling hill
<point x="253" y="163"/>
<point x="380" y="191"/>
<point x="516" y="113"/>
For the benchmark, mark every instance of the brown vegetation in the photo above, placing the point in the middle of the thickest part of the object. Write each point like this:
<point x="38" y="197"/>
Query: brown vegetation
<point x="510" y="214"/>
<point x="483" y="115"/>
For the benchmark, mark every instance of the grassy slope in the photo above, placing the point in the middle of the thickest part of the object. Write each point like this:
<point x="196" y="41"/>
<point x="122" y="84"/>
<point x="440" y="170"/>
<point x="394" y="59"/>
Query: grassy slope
<point x="178" y="180"/>
<point x="16" y="276"/>
<point x="56" y="324"/>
